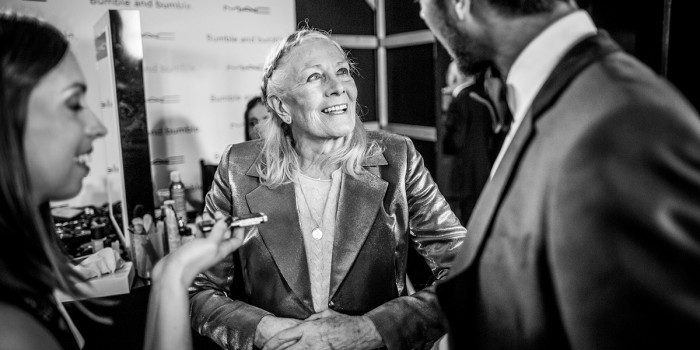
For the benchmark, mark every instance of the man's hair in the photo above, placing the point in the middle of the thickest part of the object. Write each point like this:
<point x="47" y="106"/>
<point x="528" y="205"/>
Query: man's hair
<point x="280" y="160"/>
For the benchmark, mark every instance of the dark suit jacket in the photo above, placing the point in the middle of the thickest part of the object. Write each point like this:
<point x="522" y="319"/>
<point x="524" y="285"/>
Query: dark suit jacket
<point x="392" y="204"/>
<point x="469" y="137"/>
<point x="588" y="236"/>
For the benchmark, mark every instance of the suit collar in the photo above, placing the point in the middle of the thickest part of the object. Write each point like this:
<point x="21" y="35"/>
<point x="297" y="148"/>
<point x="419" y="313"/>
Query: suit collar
<point x="282" y="236"/>
<point x="536" y="61"/>
<point x="358" y="203"/>
<point x="577" y="59"/>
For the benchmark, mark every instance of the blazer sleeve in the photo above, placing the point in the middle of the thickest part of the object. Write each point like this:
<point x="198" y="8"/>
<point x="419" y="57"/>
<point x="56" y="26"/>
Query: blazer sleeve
<point x="230" y="323"/>
<point x="624" y="248"/>
<point x="414" y="322"/>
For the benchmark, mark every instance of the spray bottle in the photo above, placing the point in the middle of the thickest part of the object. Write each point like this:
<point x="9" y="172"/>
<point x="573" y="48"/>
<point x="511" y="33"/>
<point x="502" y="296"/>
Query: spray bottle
<point x="171" y="226"/>
<point x="177" y="194"/>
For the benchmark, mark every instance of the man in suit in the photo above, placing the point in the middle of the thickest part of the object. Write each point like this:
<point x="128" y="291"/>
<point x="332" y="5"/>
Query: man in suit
<point x="473" y="135"/>
<point x="587" y="236"/>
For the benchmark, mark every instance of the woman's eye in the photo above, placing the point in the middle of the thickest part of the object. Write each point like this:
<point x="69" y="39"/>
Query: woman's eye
<point x="313" y="77"/>
<point x="75" y="107"/>
<point x="74" y="104"/>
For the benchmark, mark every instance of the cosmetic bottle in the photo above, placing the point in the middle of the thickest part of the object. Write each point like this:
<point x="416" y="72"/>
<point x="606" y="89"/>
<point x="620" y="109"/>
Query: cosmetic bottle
<point x="156" y="234"/>
<point x="171" y="226"/>
<point x="177" y="194"/>
<point x="98" y="235"/>
<point x="141" y="249"/>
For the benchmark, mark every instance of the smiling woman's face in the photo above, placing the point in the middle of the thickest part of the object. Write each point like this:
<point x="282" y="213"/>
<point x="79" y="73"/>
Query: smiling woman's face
<point x="59" y="133"/>
<point x="319" y="91"/>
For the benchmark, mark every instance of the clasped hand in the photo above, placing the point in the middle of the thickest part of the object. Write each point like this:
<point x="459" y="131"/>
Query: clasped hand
<point x="324" y="330"/>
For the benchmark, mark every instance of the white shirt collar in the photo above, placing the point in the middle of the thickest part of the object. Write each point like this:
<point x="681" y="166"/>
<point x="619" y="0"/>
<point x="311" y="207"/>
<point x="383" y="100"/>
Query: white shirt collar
<point x="534" y="64"/>
<point x="467" y="83"/>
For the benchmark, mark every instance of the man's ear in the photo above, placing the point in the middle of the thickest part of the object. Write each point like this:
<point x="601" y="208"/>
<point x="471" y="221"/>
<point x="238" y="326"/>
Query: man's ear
<point x="461" y="8"/>
<point x="280" y="109"/>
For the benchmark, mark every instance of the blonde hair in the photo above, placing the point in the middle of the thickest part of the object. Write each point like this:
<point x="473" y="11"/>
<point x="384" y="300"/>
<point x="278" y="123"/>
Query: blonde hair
<point x="280" y="161"/>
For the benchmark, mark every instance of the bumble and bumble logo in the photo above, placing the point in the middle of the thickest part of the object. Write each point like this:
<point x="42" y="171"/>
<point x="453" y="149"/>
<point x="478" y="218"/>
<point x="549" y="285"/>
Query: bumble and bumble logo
<point x="158" y="35"/>
<point x="170" y="68"/>
<point x="258" y="10"/>
<point x="221" y="38"/>
<point x="224" y="98"/>
<point x="244" y="67"/>
<point x="173" y="5"/>
<point x="165" y="99"/>
<point x="168" y="131"/>
<point x="126" y="3"/>
<point x="172" y="160"/>
<point x="154" y="4"/>
<point x="227" y="38"/>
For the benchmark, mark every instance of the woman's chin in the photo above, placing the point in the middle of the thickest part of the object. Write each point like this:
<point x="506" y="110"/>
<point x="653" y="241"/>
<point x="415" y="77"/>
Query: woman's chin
<point x="70" y="190"/>
<point x="67" y="194"/>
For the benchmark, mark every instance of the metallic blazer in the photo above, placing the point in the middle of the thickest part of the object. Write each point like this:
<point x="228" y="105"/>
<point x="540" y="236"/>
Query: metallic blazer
<point x="392" y="204"/>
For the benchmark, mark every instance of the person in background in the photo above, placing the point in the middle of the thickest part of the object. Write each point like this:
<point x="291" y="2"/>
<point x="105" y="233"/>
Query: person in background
<point x="587" y="236"/>
<point x="255" y="113"/>
<point x="46" y="136"/>
<point x="455" y="80"/>
<point x="328" y="270"/>
<point x="472" y="138"/>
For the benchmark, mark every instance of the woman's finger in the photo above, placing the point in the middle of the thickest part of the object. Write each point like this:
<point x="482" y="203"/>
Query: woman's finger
<point x="283" y="339"/>
<point x="220" y="228"/>
<point x="314" y="317"/>
<point x="228" y="246"/>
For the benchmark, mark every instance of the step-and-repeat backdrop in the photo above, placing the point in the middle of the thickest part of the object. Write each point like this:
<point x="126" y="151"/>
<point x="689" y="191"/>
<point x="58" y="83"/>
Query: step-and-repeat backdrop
<point x="202" y="62"/>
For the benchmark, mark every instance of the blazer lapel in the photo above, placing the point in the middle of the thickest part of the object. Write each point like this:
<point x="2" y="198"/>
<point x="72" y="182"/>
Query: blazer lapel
<point x="479" y="226"/>
<point x="282" y="235"/>
<point x="359" y="201"/>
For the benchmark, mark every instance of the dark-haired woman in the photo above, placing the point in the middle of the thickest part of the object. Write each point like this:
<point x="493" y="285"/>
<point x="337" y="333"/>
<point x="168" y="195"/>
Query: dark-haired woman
<point x="46" y="136"/>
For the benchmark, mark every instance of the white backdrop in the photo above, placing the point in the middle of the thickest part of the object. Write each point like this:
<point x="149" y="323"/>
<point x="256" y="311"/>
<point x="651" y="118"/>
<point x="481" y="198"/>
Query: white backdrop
<point x="202" y="63"/>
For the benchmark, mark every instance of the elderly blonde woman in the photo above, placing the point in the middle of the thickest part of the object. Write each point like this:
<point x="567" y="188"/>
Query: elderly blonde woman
<point x="328" y="268"/>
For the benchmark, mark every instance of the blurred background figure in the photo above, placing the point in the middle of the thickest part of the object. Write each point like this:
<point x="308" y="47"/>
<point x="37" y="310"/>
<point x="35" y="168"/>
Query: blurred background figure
<point x="455" y="81"/>
<point x="470" y="137"/>
<point x="255" y="113"/>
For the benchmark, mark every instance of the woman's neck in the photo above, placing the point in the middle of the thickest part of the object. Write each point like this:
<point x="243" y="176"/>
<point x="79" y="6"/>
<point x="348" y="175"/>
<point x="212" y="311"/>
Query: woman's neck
<point x="312" y="153"/>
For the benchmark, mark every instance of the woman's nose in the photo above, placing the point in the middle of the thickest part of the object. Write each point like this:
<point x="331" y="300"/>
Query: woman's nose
<point x="335" y="86"/>
<point x="94" y="127"/>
